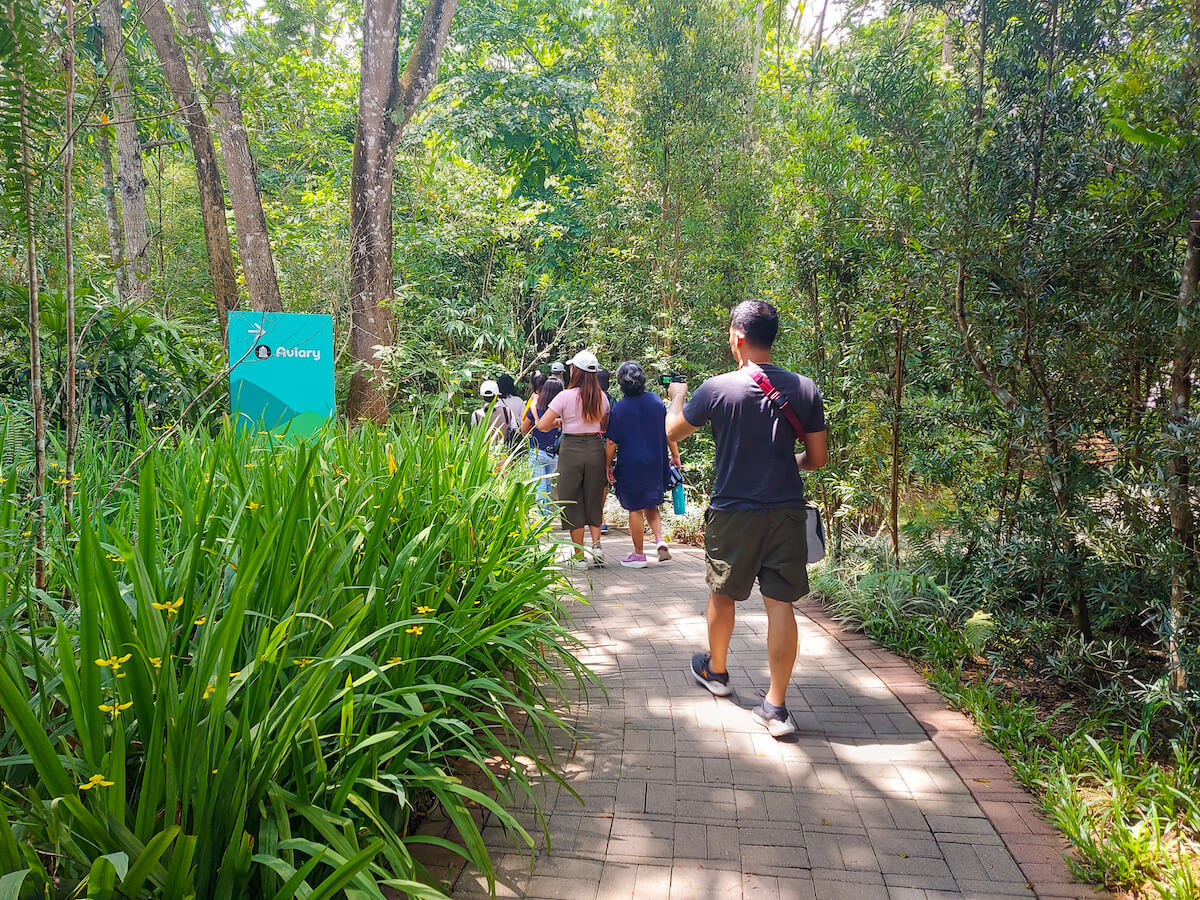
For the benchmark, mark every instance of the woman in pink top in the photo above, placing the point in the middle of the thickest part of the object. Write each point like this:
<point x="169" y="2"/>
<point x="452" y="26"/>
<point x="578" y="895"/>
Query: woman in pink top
<point x="582" y="413"/>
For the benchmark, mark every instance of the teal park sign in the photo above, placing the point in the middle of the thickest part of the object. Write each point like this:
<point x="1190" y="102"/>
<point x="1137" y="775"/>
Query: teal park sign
<point x="281" y="371"/>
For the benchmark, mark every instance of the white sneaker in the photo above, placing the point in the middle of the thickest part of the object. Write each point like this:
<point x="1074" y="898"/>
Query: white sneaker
<point x="664" y="552"/>
<point x="575" y="562"/>
<point x="597" y="556"/>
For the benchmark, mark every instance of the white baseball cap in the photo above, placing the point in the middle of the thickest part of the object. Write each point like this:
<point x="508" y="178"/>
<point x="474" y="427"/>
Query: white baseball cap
<point x="489" y="389"/>
<point x="586" y="360"/>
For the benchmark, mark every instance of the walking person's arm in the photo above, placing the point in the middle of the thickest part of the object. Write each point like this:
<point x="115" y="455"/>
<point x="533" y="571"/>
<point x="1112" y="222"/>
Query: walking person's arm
<point x="815" y="453"/>
<point x="678" y="427"/>
<point x="674" y="447"/>
<point x="610" y="450"/>
<point x="548" y="420"/>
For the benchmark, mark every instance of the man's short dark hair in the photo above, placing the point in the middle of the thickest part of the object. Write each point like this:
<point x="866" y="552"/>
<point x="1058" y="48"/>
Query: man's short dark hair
<point x="758" y="321"/>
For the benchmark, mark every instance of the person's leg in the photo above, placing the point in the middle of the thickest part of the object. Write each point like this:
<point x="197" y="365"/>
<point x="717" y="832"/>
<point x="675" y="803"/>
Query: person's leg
<point x="782" y="637"/>
<point x="595" y="479"/>
<point x="637" y="528"/>
<point x="570" y="493"/>
<point x="655" y="519"/>
<point x="721" y="615"/>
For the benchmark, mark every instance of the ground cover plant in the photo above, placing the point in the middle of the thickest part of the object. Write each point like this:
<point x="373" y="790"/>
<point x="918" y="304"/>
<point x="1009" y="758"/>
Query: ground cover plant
<point x="1118" y="771"/>
<point x="258" y="663"/>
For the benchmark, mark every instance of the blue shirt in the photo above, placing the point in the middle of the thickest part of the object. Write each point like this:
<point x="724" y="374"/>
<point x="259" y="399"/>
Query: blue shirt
<point x="541" y="440"/>
<point x="756" y="447"/>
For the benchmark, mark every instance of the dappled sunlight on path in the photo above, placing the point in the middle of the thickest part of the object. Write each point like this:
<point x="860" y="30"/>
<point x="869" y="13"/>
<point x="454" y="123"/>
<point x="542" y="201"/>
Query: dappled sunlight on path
<point x="683" y="795"/>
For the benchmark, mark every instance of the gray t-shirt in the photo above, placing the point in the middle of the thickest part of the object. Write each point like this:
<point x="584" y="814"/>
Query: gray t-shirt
<point x="756" y="453"/>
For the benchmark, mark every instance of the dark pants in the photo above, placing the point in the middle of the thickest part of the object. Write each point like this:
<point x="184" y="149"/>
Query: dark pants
<point x="770" y="545"/>
<point x="581" y="480"/>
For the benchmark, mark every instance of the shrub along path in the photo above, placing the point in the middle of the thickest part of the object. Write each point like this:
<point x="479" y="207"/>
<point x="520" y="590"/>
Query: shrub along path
<point x="884" y="794"/>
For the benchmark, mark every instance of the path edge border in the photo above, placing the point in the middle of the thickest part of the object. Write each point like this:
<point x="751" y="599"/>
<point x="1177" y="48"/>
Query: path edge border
<point x="1037" y="846"/>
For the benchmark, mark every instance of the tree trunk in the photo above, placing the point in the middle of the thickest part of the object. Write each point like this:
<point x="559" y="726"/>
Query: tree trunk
<point x="820" y="39"/>
<point x="131" y="176"/>
<point x="37" y="400"/>
<point x="753" y="60"/>
<point x="208" y="175"/>
<point x="386" y="103"/>
<point x="1183" y="559"/>
<point x="947" y="37"/>
<point x="116" y="233"/>
<point x="814" y="303"/>
<point x="214" y="81"/>
<point x="894" y="513"/>
<point x="69" y="423"/>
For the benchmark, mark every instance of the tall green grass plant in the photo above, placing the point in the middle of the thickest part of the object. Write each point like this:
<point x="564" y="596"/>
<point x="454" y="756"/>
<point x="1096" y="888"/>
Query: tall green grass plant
<point x="262" y="661"/>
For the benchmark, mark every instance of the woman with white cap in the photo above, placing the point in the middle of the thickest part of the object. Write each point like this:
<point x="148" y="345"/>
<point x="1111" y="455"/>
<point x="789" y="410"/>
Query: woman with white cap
<point x="582" y="413"/>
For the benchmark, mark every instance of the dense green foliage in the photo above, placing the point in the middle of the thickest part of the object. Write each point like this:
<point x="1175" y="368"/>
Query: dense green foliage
<point x="1134" y="821"/>
<point x="261" y="665"/>
<point x="973" y="217"/>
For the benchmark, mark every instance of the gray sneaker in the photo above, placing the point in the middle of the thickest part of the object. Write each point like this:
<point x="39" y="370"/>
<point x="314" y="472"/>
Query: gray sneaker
<point x="776" y="719"/>
<point x="664" y="552"/>
<point x="597" y="556"/>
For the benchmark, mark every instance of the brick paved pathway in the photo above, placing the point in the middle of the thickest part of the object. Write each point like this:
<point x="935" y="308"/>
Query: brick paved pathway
<point x="685" y="796"/>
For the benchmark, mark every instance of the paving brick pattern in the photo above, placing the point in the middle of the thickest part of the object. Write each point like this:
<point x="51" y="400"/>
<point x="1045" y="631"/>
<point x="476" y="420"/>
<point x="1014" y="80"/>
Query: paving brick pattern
<point x="884" y="794"/>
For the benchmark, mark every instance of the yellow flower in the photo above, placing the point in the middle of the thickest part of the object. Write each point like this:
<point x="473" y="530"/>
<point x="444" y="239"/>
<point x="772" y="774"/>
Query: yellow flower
<point x="424" y="609"/>
<point x="156" y="661"/>
<point x="395" y="659"/>
<point x="416" y="629"/>
<point x="95" y="781"/>
<point x="115" y="663"/>
<point x="201" y="620"/>
<point x="171" y="608"/>
<point x="208" y="692"/>
<point x="233" y="675"/>
<point x="306" y="661"/>
<point x="392" y="467"/>
<point x="248" y="466"/>
<point x="252" y="506"/>
<point x="393" y="519"/>
<point x="114" y="557"/>
<point x="115" y="708"/>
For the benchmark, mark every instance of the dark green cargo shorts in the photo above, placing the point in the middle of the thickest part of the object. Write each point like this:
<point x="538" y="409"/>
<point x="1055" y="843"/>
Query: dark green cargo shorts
<point x="768" y="544"/>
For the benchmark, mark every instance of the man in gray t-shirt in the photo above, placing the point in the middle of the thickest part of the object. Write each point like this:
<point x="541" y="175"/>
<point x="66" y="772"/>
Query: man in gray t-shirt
<point x="754" y="527"/>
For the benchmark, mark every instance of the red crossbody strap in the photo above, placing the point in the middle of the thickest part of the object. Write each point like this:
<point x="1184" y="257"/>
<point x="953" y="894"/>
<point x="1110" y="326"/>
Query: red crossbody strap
<point x="773" y="394"/>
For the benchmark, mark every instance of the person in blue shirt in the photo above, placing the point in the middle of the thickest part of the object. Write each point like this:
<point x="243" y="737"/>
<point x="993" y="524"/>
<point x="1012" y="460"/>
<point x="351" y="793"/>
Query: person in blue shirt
<point x="542" y="461"/>
<point x="637" y="453"/>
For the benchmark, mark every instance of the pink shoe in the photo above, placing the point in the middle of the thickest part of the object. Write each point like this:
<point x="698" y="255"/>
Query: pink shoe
<point x="634" y="561"/>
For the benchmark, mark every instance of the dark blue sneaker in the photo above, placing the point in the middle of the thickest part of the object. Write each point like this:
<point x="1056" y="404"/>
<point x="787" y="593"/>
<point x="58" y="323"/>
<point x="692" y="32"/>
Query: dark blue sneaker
<point x="776" y="719"/>
<point x="717" y="683"/>
<point x="604" y="528"/>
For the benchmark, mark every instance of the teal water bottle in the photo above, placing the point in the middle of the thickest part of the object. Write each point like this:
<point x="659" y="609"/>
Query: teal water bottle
<point x="677" y="498"/>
